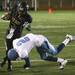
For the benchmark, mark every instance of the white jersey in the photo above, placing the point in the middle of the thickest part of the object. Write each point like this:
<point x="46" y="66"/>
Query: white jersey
<point x="25" y="44"/>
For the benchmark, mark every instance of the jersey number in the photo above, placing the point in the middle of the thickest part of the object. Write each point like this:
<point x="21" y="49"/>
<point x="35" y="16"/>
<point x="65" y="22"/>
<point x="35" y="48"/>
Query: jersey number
<point x="24" y="40"/>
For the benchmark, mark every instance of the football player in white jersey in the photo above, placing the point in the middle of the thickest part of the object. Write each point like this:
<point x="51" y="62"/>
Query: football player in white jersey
<point x="23" y="46"/>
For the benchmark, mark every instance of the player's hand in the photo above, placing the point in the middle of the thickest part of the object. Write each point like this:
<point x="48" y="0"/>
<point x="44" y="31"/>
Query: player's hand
<point x="5" y="16"/>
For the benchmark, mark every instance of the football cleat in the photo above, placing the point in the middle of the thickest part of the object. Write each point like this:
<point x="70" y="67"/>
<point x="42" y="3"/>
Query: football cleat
<point x="62" y="64"/>
<point x="9" y="68"/>
<point x="26" y="67"/>
<point x="70" y="37"/>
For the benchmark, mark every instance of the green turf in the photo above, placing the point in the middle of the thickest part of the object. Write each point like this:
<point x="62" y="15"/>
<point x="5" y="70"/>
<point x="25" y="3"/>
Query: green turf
<point x="55" y="26"/>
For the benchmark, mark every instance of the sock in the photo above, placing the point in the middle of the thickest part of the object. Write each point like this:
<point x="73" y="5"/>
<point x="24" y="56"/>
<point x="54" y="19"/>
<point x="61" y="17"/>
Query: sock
<point x="66" y="41"/>
<point x="60" y="60"/>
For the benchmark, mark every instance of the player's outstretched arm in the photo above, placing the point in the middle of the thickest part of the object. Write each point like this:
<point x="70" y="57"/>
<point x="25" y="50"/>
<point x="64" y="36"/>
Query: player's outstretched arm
<point x="6" y="16"/>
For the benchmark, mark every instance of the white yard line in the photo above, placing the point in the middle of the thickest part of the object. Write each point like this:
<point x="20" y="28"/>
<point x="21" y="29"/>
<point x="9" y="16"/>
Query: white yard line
<point x="38" y="60"/>
<point x="54" y="45"/>
<point x="35" y="60"/>
<point x="48" y="26"/>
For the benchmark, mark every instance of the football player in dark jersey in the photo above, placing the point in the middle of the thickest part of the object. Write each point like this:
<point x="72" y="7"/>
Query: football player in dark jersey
<point x="19" y="18"/>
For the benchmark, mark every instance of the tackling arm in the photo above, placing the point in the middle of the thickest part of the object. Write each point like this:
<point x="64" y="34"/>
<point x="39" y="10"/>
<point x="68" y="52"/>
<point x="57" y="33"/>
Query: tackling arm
<point x="28" y="22"/>
<point x="27" y="26"/>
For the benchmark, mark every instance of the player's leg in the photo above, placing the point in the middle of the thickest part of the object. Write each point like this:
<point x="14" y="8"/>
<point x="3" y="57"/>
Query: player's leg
<point x="25" y="57"/>
<point x="4" y="61"/>
<point x="27" y="64"/>
<point x="13" y="55"/>
<point x="5" y="58"/>
<point x="8" y="46"/>
<point x="9" y="65"/>
<point x="68" y="39"/>
<point x="61" y="61"/>
<point x="52" y="50"/>
<point x="45" y="56"/>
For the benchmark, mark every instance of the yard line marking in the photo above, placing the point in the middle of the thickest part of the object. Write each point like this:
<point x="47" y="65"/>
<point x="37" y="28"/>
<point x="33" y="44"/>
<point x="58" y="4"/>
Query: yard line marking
<point x="54" y="45"/>
<point x="48" y="26"/>
<point x="39" y="60"/>
<point x="35" y="60"/>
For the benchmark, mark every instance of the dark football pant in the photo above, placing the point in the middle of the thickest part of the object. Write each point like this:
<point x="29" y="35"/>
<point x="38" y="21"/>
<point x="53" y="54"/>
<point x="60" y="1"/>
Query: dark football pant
<point x="9" y="46"/>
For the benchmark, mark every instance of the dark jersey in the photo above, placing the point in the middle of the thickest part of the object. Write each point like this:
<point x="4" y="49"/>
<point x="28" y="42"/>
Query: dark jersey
<point x="17" y="21"/>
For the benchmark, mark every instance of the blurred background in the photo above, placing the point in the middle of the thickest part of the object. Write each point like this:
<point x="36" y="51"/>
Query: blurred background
<point x="40" y="4"/>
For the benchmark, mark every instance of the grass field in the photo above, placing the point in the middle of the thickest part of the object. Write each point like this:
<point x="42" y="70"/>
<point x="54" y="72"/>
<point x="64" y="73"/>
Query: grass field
<point x="55" y="26"/>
